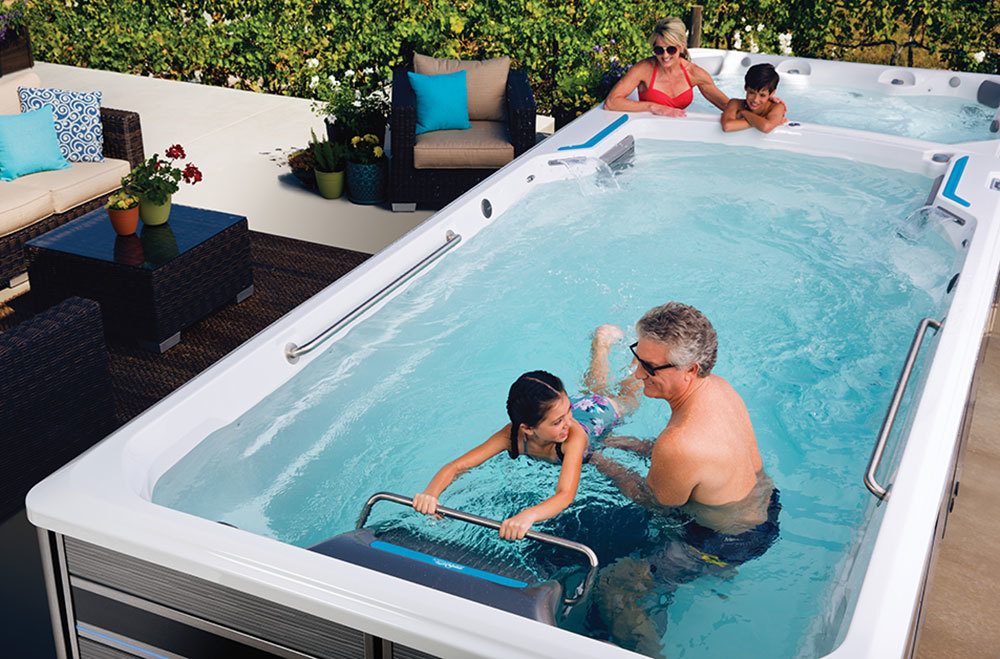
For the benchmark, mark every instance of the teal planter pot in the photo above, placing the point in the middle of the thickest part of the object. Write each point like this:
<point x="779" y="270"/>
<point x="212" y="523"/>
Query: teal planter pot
<point x="366" y="182"/>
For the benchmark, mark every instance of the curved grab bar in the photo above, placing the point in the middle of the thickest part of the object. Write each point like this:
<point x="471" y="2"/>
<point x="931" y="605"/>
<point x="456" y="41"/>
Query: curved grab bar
<point x="890" y="416"/>
<point x="493" y="524"/>
<point x="293" y="351"/>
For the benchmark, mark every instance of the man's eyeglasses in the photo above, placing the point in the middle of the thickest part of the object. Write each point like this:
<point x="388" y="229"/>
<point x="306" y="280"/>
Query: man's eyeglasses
<point x="670" y="50"/>
<point x="649" y="368"/>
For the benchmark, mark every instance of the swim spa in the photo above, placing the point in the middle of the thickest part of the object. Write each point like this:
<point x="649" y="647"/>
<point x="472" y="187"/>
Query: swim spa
<point x="938" y="106"/>
<point x="110" y="541"/>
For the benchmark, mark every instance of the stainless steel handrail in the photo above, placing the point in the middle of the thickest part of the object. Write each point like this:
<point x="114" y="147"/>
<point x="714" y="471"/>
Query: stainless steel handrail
<point x="890" y="416"/>
<point x="493" y="524"/>
<point x="293" y="351"/>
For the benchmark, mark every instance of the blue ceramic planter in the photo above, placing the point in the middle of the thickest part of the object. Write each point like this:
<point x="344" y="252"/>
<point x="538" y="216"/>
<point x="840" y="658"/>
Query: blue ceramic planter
<point x="366" y="182"/>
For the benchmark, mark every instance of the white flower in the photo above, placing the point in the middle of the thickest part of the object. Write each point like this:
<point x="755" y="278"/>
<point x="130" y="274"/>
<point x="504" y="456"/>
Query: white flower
<point x="333" y="80"/>
<point x="208" y="18"/>
<point x="356" y="104"/>
<point x="747" y="28"/>
<point x="754" y="48"/>
<point x="737" y="40"/>
<point x="349" y="73"/>
<point x="368" y="70"/>
<point x="785" y="43"/>
<point x="979" y="57"/>
<point x="313" y="82"/>
<point x="197" y="76"/>
<point x="312" y="62"/>
<point x="760" y="27"/>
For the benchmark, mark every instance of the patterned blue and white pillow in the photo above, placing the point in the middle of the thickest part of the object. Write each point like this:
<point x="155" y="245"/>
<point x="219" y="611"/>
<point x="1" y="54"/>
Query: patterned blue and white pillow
<point x="78" y="120"/>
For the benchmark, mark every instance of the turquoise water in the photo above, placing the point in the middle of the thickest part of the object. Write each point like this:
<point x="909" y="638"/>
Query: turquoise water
<point x="796" y="261"/>
<point x="934" y="118"/>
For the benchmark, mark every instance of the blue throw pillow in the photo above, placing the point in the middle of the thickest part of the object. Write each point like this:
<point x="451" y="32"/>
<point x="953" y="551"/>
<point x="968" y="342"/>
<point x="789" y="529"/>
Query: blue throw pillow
<point x="442" y="101"/>
<point x="78" y="120"/>
<point x="28" y="144"/>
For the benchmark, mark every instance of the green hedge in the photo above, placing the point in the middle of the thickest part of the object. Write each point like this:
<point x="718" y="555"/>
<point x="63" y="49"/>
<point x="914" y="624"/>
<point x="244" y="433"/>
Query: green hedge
<point x="285" y="46"/>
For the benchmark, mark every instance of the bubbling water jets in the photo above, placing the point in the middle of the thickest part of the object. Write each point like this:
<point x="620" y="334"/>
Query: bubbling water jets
<point x="593" y="175"/>
<point x="913" y="227"/>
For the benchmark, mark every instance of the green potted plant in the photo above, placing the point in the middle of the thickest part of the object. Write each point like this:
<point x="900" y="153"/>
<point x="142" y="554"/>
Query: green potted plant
<point x="15" y="42"/>
<point x="354" y="103"/>
<point x="123" y="210"/>
<point x="155" y="180"/>
<point x="328" y="163"/>
<point x="365" y="170"/>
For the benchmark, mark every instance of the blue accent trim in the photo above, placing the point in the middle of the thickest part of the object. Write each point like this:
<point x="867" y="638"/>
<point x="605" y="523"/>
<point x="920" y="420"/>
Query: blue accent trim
<point x="135" y="648"/>
<point x="447" y="565"/>
<point x="598" y="136"/>
<point x="952" y="185"/>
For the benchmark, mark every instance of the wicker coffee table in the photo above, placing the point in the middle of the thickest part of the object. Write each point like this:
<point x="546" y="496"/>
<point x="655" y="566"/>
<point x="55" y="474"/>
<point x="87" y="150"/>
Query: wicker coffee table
<point x="150" y="285"/>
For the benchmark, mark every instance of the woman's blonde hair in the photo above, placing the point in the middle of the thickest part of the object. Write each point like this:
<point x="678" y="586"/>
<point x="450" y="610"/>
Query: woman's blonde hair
<point x="673" y="31"/>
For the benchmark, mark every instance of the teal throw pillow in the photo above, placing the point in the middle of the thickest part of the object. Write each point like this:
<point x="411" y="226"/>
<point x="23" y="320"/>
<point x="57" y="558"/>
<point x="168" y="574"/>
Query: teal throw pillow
<point x="442" y="101"/>
<point x="28" y="144"/>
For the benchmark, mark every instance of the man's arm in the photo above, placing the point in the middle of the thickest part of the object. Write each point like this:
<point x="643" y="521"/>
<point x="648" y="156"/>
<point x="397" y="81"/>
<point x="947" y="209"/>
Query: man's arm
<point x="673" y="474"/>
<point x="630" y="483"/>
<point x="643" y="447"/>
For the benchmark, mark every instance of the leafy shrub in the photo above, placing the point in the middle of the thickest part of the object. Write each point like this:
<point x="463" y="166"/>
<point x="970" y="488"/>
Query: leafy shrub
<point x="292" y="46"/>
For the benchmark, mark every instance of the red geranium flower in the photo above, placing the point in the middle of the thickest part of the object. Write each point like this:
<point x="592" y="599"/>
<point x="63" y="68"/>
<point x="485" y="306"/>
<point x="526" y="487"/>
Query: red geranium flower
<point x="176" y="151"/>
<point x="191" y="174"/>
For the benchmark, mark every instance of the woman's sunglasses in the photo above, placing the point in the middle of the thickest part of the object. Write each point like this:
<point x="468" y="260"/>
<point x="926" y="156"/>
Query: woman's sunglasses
<point x="649" y="368"/>
<point x="670" y="50"/>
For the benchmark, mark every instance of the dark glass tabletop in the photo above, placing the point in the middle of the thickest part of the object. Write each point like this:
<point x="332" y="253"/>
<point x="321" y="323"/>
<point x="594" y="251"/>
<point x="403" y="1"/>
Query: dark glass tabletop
<point x="150" y="247"/>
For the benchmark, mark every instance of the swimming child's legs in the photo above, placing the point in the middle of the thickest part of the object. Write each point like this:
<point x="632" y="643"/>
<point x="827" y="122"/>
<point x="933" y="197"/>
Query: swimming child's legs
<point x="626" y="399"/>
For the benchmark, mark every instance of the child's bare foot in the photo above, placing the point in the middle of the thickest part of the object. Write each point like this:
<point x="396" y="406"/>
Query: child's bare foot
<point x="605" y="335"/>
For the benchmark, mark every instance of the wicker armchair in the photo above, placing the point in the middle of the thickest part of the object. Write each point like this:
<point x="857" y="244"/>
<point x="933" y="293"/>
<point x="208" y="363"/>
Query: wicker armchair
<point x="123" y="141"/>
<point x="57" y="398"/>
<point x="410" y="187"/>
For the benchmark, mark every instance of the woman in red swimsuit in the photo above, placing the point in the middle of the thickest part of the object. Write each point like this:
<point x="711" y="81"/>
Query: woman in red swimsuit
<point x="667" y="80"/>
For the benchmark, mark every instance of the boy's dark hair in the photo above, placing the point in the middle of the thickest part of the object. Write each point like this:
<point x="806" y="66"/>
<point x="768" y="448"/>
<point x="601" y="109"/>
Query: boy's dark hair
<point x="761" y="76"/>
<point x="529" y="400"/>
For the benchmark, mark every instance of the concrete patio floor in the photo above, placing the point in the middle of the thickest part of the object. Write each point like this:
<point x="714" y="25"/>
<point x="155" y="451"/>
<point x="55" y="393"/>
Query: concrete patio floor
<point x="239" y="139"/>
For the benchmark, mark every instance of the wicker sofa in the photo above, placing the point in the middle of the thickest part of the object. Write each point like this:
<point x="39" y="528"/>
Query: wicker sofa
<point x="57" y="401"/>
<point x="432" y="169"/>
<point x="33" y="204"/>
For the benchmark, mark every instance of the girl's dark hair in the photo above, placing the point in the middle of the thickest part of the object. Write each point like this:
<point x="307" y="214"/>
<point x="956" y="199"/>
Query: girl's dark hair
<point x="529" y="400"/>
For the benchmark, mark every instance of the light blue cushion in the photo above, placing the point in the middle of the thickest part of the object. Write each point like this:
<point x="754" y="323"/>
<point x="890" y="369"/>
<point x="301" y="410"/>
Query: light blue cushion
<point x="442" y="101"/>
<point x="78" y="120"/>
<point x="28" y="144"/>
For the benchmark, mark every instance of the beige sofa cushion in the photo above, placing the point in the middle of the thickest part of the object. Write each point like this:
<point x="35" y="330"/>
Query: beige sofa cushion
<point x="486" y="83"/>
<point x="22" y="205"/>
<point x="10" y="102"/>
<point x="78" y="184"/>
<point x="485" y="145"/>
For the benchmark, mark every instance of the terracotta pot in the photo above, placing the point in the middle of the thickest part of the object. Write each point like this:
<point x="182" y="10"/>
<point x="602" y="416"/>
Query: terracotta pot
<point x="154" y="214"/>
<point x="125" y="222"/>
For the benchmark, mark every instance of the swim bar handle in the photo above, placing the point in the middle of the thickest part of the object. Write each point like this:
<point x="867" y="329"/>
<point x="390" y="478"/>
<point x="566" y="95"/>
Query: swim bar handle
<point x="890" y="416"/>
<point x="493" y="524"/>
<point x="293" y="351"/>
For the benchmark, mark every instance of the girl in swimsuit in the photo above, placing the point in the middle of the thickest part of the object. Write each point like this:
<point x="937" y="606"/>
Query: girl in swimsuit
<point x="667" y="80"/>
<point x="547" y="424"/>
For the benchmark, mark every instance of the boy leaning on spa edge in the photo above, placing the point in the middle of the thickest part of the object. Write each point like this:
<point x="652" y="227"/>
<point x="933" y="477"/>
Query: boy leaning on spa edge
<point x="761" y="109"/>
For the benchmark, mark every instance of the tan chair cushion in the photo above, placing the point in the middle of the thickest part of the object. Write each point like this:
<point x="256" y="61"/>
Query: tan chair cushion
<point x="10" y="102"/>
<point x="485" y="145"/>
<point x="22" y="205"/>
<point x="486" y="83"/>
<point x="80" y="183"/>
